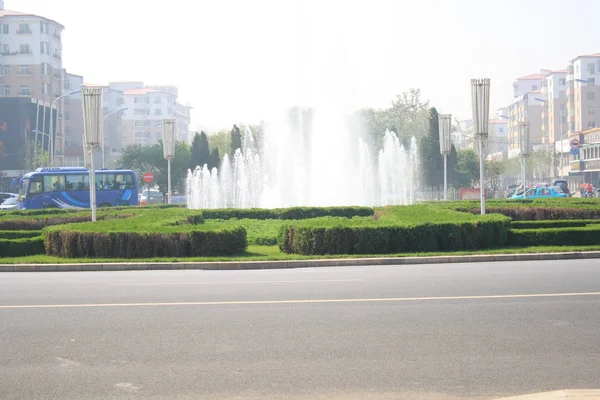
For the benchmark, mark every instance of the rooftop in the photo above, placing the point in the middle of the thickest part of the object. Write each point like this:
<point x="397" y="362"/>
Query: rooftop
<point x="596" y="55"/>
<point x="531" y="77"/>
<point x="140" y="91"/>
<point x="9" y="13"/>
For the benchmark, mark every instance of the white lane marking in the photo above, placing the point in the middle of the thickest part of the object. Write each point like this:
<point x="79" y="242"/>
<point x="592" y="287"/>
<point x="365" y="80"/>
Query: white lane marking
<point x="308" y="301"/>
<point x="232" y="282"/>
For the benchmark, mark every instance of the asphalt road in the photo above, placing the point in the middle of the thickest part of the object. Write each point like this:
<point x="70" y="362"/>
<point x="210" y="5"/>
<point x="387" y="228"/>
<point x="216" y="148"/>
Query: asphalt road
<point x="452" y="331"/>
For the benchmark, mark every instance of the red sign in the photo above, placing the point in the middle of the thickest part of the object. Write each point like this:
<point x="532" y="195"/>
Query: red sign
<point x="471" y="194"/>
<point x="575" y="143"/>
<point x="148" y="177"/>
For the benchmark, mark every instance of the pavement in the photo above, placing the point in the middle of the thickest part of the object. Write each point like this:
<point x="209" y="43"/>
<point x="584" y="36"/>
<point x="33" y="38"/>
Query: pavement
<point x="436" y="331"/>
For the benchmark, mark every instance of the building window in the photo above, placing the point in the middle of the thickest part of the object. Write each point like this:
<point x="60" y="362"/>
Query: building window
<point x="562" y="82"/>
<point x="591" y="81"/>
<point x="24" y="49"/>
<point x="44" y="48"/>
<point x="591" y="96"/>
<point x="5" y="49"/>
<point x="592" y="110"/>
<point x="500" y="130"/>
<point x="6" y="70"/>
<point x="45" y="69"/>
<point x="138" y="100"/>
<point x="157" y="100"/>
<point x="44" y="27"/>
<point x="170" y="110"/>
<point x="142" y="135"/>
<point x="67" y="85"/>
<point x="591" y="124"/>
<point x="533" y="88"/>
<point x="591" y="67"/>
<point x="24" y="70"/>
<point x="563" y="119"/>
<point x="25" y="90"/>
<point x="67" y="115"/>
<point x="139" y="111"/>
<point x="5" y="29"/>
<point x="158" y="111"/>
<point x="120" y="101"/>
<point x="44" y="88"/>
<point x="24" y="29"/>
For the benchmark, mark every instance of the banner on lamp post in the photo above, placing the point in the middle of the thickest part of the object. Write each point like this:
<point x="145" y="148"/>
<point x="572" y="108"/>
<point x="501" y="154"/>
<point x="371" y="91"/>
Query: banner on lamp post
<point x="168" y="137"/>
<point x="445" y="125"/>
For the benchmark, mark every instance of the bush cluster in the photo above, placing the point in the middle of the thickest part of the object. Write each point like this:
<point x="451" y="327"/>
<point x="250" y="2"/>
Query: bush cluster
<point x="19" y="234"/>
<point x="22" y="247"/>
<point x="75" y="244"/>
<point x="541" y="213"/>
<point x="574" y="236"/>
<point x="288" y="213"/>
<point x="310" y="239"/>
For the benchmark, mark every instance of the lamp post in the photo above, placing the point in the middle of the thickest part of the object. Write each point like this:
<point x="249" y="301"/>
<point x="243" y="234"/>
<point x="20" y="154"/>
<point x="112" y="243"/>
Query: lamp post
<point x="445" y="125"/>
<point x="104" y="119"/>
<point x="480" y="98"/>
<point x="92" y="128"/>
<point x="51" y="119"/>
<point x="168" y="136"/>
<point x="554" y="141"/>
<point x="524" y="145"/>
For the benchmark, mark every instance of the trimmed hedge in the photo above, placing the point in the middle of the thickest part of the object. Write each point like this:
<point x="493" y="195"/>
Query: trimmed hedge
<point x="572" y="223"/>
<point x="39" y="223"/>
<point x="314" y="240"/>
<point x="578" y="236"/>
<point x="19" y="234"/>
<point x="21" y="247"/>
<point x="288" y="213"/>
<point x="541" y="213"/>
<point x="71" y="244"/>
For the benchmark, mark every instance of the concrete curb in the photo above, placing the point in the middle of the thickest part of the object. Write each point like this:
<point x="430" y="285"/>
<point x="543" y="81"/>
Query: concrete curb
<point x="253" y="265"/>
<point x="582" y="394"/>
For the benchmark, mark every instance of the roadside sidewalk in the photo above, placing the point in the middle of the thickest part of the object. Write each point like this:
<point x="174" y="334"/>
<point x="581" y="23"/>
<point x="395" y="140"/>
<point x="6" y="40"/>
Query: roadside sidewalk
<point x="343" y="262"/>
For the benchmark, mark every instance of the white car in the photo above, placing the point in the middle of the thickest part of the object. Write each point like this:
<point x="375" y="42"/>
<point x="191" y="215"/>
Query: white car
<point x="12" y="203"/>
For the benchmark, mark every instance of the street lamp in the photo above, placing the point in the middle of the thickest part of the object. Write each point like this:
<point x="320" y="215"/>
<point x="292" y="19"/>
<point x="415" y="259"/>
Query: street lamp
<point x="445" y="125"/>
<point x="51" y="119"/>
<point x="104" y="119"/>
<point x="560" y="112"/>
<point x="524" y="145"/>
<point x="480" y="98"/>
<point x="92" y="128"/>
<point x="168" y="136"/>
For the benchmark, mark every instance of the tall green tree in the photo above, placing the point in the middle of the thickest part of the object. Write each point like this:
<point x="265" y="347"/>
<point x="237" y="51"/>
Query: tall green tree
<point x="236" y="139"/>
<point x="432" y="166"/>
<point x="214" y="160"/>
<point x="467" y="171"/>
<point x="221" y="140"/>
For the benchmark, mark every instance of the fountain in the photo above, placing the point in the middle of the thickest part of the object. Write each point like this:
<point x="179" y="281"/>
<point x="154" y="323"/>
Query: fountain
<point x="327" y="168"/>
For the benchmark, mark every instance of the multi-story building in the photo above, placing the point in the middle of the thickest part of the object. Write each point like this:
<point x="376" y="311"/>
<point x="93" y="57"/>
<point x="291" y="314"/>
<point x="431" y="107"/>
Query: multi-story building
<point x="30" y="80"/>
<point x="72" y="119"/>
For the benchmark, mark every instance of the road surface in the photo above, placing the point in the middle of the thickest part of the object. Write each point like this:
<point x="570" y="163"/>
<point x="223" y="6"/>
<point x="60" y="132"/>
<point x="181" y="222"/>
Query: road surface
<point x="452" y="331"/>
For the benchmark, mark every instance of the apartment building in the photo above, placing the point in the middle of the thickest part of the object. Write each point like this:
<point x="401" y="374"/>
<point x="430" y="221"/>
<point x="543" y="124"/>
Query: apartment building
<point x="30" y="82"/>
<point x="72" y="120"/>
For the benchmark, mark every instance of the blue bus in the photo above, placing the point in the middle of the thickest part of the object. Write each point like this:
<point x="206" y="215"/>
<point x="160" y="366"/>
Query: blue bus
<point x="69" y="187"/>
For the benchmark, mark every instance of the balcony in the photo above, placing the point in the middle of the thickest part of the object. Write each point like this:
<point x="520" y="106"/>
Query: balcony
<point x="24" y="32"/>
<point x="10" y="53"/>
<point x="57" y="56"/>
<point x="57" y="75"/>
<point x="56" y="36"/>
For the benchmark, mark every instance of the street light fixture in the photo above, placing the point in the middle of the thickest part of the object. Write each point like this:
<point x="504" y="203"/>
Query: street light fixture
<point x="480" y="97"/>
<point x="524" y="145"/>
<point x="51" y="119"/>
<point x="168" y="136"/>
<point x="104" y="119"/>
<point x="92" y="128"/>
<point x="445" y="125"/>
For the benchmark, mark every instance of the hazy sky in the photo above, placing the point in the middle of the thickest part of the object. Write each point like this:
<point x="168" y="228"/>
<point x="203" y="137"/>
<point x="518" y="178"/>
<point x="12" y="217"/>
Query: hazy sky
<point x="241" y="60"/>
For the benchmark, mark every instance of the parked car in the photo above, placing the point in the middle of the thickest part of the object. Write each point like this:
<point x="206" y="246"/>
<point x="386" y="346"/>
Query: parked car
<point x="6" y="195"/>
<point x="542" y="192"/>
<point x="151" y="196"/>
<point x="12" y="203"/>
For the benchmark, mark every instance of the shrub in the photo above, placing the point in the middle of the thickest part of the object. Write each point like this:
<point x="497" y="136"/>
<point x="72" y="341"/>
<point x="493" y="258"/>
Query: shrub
<point x="74" y="244"/>
<point x="288" y="213"/>
<point x="21" y="247"/>
<point x="576" y="236"/>
<point x="552" y="224"/>
<point x="19" y="234"/>
<point x="541" y="213"/>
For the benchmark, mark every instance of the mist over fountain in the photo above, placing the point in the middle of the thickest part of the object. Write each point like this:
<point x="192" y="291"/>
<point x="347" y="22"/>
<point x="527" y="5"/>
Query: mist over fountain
<point x="327" y="167"/>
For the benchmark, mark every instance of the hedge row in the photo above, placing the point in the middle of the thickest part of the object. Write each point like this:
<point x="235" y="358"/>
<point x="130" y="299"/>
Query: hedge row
<point x="311" y="240"/>
<point x="21" y="247"/>
<point x="145" y="245"/>
<point x="19" y="234"/>
<point x="572" y="223"/>
<point x="39" y="223"/>
<point x="288" y="213"/>
<point x="541" y="213"/>
<point x="578" y="236"/>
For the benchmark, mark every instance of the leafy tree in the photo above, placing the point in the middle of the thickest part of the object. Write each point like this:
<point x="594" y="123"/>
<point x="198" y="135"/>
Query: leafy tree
<point x="214" y="160"/>
<point x="467" y="171"/>
<point x="452" y="164"/>
<point x="200" y="150"/>
<point x="493" y="174"/>
<point x="236" y="139"/>
<point x="221" y="140"/>
<point x="142" y="158"/>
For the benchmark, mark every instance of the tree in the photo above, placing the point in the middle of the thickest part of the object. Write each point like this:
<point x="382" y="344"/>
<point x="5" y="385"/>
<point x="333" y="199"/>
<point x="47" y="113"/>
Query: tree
<point x="200" y="151"/>
<point x="452" y="164"/>
<point x="467" y="171"/>
<point x="236" y="139"/>
<point x="431" y="160"/>
<point x="493" y="174"/>
<point x="409" y="114"/>
<point x="221" y="140"/>
<point x="142" y="158"/>
<point x="214" y="160"/>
